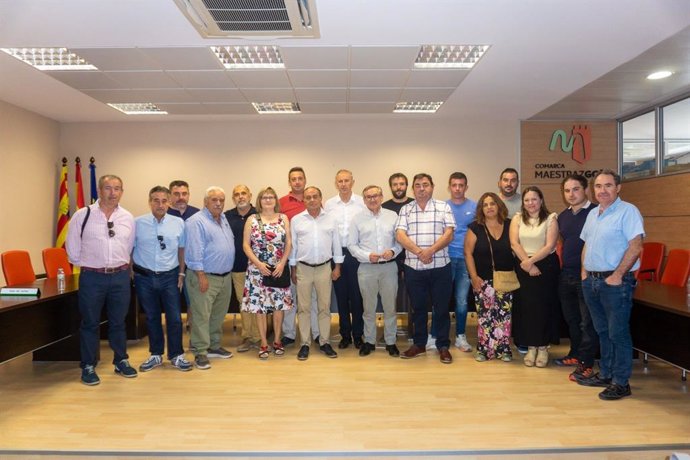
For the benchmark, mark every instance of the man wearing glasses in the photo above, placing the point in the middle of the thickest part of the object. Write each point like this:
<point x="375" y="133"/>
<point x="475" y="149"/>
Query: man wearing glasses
<point x="158" y="265"/>
<point x="100" y="240"/>
<point x="372" y="242"/>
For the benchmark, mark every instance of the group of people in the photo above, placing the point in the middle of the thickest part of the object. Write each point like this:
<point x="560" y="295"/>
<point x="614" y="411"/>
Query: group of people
<point x="283" y="256"/>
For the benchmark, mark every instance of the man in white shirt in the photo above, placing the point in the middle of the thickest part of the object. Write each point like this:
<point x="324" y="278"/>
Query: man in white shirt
<point x="372" y="242"/>
<point x="315" y="244"/>
<point x="344" y="206"/>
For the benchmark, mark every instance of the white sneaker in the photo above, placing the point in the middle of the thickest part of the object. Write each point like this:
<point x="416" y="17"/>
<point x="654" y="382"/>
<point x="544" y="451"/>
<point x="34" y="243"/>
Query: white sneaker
<point x="431" y="342"/>
<point x="461" y="343"/>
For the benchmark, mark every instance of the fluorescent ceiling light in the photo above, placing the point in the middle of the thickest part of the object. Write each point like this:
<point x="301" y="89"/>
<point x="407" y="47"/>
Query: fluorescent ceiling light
<point x="659" y="75"/>
<point x="276" y="107"/>
<point x="136" y="108"/>
<point x="449" y="56"/>
<point x="50" y="58"/>
<point x="249" y="57"/>
<point x="417" y="107"/>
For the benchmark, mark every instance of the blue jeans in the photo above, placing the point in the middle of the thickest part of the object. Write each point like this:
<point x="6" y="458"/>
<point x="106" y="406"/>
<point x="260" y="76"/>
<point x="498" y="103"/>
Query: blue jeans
<point x="435" y="283"/>
<point x="157" y="294"/>
<point x="583" y="338"/>
<point x="610" y="308"/>
<point x="461" y="287"/>
<point x="97" y="290"/>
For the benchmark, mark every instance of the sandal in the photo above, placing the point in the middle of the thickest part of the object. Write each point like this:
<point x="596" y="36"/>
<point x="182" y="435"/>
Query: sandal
<point x="278" y="349"/>
<point x="263" y="352"/>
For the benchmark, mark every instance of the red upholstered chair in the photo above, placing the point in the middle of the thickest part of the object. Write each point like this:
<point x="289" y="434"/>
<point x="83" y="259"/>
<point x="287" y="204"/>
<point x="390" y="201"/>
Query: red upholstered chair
<point x="17" y="268"/>
<point x="54" y="258"/>
<point x="650" y="261"/>
<point x="677" y="268"/>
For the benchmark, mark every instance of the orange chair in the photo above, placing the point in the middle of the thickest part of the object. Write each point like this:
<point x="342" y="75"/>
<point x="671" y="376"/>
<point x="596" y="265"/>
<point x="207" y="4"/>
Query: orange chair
<point x="17" y="268"/>
<point x="54" y="258"/>
<point x="677" y="268"/>
<point x="650" y="261"/>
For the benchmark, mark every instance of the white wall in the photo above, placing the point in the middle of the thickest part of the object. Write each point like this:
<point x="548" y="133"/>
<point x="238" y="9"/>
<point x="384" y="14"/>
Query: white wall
<point x="259" y="153"/>
<point x="29" y="175"/>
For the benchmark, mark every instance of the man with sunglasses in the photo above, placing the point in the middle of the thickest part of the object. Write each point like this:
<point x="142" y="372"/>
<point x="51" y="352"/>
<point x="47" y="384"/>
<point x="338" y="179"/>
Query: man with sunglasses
<point x="100" y="240"/>
<point x="158" y="265"/>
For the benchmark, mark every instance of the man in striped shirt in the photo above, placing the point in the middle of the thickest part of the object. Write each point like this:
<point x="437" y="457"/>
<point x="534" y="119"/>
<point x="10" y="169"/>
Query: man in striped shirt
<point x="425" y="229"/>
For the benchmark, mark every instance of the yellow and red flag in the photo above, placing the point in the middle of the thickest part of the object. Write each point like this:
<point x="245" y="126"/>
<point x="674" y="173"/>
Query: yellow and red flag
<point x="80" y="184"/>
<point x="63" y="208"/>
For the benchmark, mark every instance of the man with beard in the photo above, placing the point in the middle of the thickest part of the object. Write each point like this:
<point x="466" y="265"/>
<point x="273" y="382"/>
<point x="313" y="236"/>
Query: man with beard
<point x="508" y="184"/>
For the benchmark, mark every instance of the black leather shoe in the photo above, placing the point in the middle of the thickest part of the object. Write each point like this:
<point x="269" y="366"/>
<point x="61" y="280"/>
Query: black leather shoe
<point x="303" y="353"/>
<point x="366" y="349"/>
<point x="393" y="350"/>
<point x="358" y="343"/>
<point x="614" y="392"/>
<point x="328" y="350"/>
<point x="287" y="341"/>
<point x="344" y="343"/>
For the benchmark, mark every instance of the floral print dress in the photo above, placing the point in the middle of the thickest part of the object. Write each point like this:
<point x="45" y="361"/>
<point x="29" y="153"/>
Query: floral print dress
<point x="269" y="247"/>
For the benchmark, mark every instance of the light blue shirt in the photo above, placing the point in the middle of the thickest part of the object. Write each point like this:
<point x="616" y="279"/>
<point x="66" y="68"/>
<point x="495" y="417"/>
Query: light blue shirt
<point x="607" y="236"/>
<point x="210" y="245"/>
<point x="464" y="214"/>
<point x="147" y="247"/>
<point x="373" y="233"/>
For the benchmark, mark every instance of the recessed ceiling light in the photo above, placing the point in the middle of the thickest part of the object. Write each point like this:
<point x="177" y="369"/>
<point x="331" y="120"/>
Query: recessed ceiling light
<point x="50" y="58"/>
<point x="136" y="108"/>
<point x="449" y="56"/>
<point x="249" y="57"/>
<point x="659" y="75"/>
<point x="417" y="107"/>
<point x="276" y="107"/>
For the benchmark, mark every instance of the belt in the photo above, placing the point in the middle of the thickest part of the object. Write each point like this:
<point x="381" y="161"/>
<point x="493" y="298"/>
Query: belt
<point x="602" y="275"/>
<point x="146" y="272"/>
<point x="385" y="262"/>
<point x="106" y="270"/>
<point x="219" y="274"/>
<point x="315" y="265"/>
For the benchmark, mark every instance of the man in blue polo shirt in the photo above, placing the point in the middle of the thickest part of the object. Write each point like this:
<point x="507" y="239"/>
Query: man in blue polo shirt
<point x="158" y="265"/>
<point x="613" y="235"/>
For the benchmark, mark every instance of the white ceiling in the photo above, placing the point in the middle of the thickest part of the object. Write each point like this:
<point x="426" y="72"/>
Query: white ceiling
<point x="549" y="59"/>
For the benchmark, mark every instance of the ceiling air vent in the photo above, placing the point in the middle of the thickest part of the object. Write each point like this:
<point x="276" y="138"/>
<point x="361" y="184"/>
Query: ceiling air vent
<point x="252" y="18"/>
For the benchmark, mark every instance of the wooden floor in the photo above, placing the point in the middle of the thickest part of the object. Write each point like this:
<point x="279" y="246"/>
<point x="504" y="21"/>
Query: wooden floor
<point x="373" y="407"/>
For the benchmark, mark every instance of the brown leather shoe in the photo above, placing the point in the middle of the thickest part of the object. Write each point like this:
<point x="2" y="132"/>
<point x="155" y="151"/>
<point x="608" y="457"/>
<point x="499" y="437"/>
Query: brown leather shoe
<point x="446" y="358"/>
<point x="413" y="352"/>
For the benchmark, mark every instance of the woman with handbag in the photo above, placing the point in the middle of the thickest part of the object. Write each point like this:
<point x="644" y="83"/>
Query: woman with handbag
<point x="488" y="253"/>
<point x="533" y="237"/>
<point x="267" y="286"/>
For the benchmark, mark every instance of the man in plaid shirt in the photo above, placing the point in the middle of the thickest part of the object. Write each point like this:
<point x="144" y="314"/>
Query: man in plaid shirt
<point x="425" y="229"/>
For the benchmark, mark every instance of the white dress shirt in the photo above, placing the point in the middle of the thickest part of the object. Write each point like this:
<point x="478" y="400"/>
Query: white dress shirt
<point x="373" y="233"/>
<point x="315" y="239"/>
<point x="344" y="212"/>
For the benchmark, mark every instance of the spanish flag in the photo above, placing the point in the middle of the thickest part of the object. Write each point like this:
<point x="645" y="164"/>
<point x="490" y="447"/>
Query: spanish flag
<point x="63" y="208"/>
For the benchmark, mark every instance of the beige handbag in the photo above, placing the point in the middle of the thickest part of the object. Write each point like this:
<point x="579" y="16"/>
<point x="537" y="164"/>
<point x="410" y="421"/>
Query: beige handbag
<point x="504" y="281"/>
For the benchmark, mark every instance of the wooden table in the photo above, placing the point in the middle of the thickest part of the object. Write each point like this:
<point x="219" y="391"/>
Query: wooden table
<point x="660" y="323"/>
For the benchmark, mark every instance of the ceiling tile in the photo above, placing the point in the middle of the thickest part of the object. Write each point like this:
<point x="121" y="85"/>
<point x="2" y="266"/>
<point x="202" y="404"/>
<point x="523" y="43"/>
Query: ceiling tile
<point x="198" y="58"/>
<point x="81" y="79"/>
<point x="201" y="79"/>
<point x="208" y="109"/>
<point x="378" y="78"/>
<point x="315" y="57"/>
<point x="323" y="108"/>
<point x="426" y="94"/>
<point x="140" y="80"/>
<point x="383" y="57"/>
<point x="367" y="107"/>
<point x="374" y="94"/>
<point x="318" y="78"/>
<point x="144" y="95"/>
<point x="273" y="78"/>
<point x="216" y="95"/>
<point x="436" y="77"/>
<point x="321" y="95"/>
<point x="269" y="95"/>
<point x="118" y="58"/>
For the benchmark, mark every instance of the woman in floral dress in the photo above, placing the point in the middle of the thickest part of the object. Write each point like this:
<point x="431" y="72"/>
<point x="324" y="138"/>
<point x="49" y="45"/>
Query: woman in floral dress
<point x="491" y="227"/>
<point x="267" y="245"/>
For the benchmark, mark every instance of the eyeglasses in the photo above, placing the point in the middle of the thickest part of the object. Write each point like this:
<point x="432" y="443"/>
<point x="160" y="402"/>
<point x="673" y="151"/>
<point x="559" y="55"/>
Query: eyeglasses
<point x="111" y="232"/>
<point x="371" y="197"/>
<point x="160" y="241"/>
<point x="268" y="197"/>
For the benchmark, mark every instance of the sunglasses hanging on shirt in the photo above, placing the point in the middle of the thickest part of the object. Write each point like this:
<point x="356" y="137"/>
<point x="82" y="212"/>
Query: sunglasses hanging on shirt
<point x="160" y="241"/>
<point x="111" y="232"/>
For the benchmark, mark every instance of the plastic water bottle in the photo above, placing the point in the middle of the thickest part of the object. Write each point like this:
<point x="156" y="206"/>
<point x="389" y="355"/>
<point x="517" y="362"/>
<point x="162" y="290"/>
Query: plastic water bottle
<point x="61" y="280"/>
